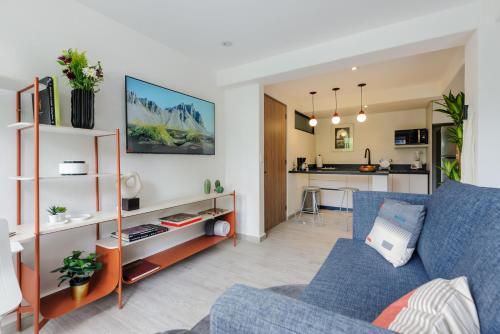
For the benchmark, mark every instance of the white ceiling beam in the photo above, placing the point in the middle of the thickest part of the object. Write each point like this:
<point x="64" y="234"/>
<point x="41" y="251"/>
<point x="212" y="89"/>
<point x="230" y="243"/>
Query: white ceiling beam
<point x="428" y="33"/>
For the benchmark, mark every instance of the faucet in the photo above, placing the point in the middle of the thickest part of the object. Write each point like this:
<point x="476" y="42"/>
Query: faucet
<point x="367" y="151"/>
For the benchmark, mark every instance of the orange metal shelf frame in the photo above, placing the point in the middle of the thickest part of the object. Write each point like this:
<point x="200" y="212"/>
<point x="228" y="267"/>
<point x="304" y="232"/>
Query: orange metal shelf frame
<point x="104" y="282"/>
<point x="173" y="255"/>
<point x="110" y="278"/>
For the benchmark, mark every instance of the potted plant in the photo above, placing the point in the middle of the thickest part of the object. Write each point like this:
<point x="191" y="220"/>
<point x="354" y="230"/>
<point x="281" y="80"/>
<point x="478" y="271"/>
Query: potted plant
<point x="78" y="271"/>
<point x="84" y="79"/>
<point x="56" y="214"/>
<point x="454" y="107"/>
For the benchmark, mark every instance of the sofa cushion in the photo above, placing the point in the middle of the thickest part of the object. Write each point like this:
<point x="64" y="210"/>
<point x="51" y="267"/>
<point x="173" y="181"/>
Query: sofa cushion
<point x="455" y="213"/>
<point x="481" y="265"/>
<point x="358" y="282"/>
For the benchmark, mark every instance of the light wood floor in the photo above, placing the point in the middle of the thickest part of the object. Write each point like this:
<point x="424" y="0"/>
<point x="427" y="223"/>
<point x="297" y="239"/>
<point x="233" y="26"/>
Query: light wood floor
<point x="180" y="296"/>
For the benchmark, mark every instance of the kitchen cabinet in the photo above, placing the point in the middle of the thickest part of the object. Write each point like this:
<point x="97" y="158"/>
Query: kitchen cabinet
<point x="333" y="198"/>
<point x="400" y="183"/>
<point x="409" y="183"/>
<point x="419" y="184"/>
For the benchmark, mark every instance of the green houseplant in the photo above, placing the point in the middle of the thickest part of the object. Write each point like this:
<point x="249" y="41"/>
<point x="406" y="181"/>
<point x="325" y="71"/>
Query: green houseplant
<point x="453" y="106"/>
<point x="78" y="271"/>
<point x="84" y="79"/>
<point x="56" y="214"/>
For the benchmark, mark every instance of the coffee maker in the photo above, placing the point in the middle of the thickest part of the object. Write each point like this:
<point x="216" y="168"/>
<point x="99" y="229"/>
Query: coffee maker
<point x="301" y="163"/>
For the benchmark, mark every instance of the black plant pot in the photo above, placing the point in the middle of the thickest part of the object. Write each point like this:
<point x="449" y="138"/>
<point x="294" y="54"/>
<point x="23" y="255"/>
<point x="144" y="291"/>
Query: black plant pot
<point x="82" y="108"/>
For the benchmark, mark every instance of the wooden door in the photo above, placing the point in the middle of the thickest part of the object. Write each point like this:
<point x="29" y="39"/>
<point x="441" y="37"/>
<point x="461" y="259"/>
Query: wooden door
<point x="274" y="162"/>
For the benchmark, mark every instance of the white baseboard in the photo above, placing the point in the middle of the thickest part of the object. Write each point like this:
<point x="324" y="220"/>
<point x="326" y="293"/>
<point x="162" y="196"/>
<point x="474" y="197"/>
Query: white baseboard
<point x="252" y="238"/>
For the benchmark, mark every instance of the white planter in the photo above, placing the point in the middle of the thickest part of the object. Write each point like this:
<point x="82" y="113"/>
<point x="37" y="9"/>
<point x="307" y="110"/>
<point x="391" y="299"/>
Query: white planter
<point x="54" y="219"/>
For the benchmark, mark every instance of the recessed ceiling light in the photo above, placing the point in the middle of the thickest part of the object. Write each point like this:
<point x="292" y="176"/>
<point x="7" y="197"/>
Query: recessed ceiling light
<point x="227" y="43"/>
<point x="354" y="68"/>
<point x="366" y="106"/>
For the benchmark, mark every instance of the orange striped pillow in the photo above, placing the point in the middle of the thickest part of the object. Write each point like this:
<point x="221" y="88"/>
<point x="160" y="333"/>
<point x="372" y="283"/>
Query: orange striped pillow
<point x="390" y="313"/>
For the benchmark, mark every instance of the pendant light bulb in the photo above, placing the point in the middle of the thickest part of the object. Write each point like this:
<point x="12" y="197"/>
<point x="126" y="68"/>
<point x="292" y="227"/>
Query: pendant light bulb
<point x="361" y="115"/>
<point x="336" y="116"/>
<point x="313" y="121"/>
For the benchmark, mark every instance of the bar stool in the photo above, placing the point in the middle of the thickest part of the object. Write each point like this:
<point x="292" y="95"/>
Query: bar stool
<point x="345" y="195"/>
<point x="313" y="192"/>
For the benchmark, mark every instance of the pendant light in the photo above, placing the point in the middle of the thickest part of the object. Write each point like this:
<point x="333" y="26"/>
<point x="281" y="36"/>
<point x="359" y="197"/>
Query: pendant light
<point x="361" y="115"/>
<point x="336" y="116"/>
<point x="313" y="121"/>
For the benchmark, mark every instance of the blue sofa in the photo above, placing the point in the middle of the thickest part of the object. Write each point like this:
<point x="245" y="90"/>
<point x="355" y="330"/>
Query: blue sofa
<point x="461" y="236"/>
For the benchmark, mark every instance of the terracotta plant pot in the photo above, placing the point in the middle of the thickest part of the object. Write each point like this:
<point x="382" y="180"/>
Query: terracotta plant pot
<point x="82" y="108"/>
<point x="79" y="288"/>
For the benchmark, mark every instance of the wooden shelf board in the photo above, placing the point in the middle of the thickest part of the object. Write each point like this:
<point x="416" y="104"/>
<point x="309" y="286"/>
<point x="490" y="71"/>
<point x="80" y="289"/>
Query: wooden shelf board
<point x="60" y="177"/>
<point x="111" y="242"/>
<point x="180" y="252"/>
<point x="61" y="129"/>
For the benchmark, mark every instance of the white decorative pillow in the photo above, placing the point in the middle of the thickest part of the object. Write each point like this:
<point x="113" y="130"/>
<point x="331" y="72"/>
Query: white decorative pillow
<point x="437" y="307"/>
<point x="390" y="241"/>
<point x="396" y="230"/>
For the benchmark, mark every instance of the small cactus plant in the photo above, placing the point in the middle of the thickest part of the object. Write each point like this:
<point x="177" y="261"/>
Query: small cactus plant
<point x="218" y="188"/>
<point x="206" y="186"/>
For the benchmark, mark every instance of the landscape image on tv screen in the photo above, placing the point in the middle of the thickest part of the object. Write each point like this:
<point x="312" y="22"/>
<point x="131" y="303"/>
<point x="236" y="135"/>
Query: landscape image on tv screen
<point x="160" y="120"/>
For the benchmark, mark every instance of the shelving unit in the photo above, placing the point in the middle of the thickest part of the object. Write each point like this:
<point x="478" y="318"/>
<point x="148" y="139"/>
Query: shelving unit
<point x="110" y="250"/>
<point x="106" y="280"/>
<point x="411" y="146"/>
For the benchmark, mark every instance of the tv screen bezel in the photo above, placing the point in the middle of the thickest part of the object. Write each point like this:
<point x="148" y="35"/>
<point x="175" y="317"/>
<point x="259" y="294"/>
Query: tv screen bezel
<point x="172" y="90"/>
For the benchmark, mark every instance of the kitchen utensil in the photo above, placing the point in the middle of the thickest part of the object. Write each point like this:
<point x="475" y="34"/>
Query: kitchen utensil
<point x="367" y="168"/>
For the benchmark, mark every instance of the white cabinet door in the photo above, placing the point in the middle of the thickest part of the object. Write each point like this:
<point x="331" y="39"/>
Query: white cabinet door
<point x="419" y="184"/>
<point x="400" y="183"/>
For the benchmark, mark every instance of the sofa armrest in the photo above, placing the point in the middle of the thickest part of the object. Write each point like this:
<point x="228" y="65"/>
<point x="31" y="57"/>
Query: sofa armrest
<point x="246" y="310"/>
<point x="367" y="203"/>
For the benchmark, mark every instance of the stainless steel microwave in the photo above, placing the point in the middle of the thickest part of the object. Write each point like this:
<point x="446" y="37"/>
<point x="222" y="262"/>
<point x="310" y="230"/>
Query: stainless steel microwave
<point x="411" y="137"/>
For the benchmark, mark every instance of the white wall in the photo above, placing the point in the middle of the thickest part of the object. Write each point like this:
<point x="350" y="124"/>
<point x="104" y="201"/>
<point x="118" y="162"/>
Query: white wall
<point x="32" y="34"/>
<point x="376" y="133"/>
<point x="480" y="157"/>
<point x="244" y="156"/>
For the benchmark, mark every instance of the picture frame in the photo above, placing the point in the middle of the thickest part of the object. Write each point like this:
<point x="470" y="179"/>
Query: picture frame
<point x="160" y="120"/>
<point x="343" y="138"/>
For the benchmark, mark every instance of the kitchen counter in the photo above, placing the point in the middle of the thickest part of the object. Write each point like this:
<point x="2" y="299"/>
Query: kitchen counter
<point x="353" y="169"/>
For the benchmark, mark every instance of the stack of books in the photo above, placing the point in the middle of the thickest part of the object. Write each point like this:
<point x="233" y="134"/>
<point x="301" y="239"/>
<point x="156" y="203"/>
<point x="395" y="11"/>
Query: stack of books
<point x="138" y="269"/>
<point x="49" y="112"/>
<point x="213" y="212"/>
<point x="180" y="219"/>
<point x="140" y="232"/>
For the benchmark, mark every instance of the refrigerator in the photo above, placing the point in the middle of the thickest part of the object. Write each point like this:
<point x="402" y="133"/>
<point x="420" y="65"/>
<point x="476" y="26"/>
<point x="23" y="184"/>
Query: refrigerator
<point x="442" y="149"/>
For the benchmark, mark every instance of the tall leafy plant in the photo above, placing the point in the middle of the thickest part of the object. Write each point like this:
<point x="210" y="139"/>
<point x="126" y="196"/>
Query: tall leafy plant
<point x="453" y="106"/>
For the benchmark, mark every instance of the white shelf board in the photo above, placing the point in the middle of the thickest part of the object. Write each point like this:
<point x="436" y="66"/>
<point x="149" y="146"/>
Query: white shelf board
<point x="174" y="202"/>
<point x="111" y="242"/>
<point x="60" y="177"/>
<point x="24" y="233"/>
<point x="62" y="129"/>
<point x="98" y="217"/>
<point x="412" y="146"/>
<point x="103" y="216"/>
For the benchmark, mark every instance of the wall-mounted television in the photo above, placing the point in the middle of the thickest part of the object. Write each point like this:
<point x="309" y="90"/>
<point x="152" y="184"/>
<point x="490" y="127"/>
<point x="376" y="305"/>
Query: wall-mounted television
<point x="162" y="121"/>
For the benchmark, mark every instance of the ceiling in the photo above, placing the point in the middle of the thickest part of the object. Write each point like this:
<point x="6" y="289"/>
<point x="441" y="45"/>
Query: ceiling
<point x="400" y="84"/>
<point x="257" y="29"/>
